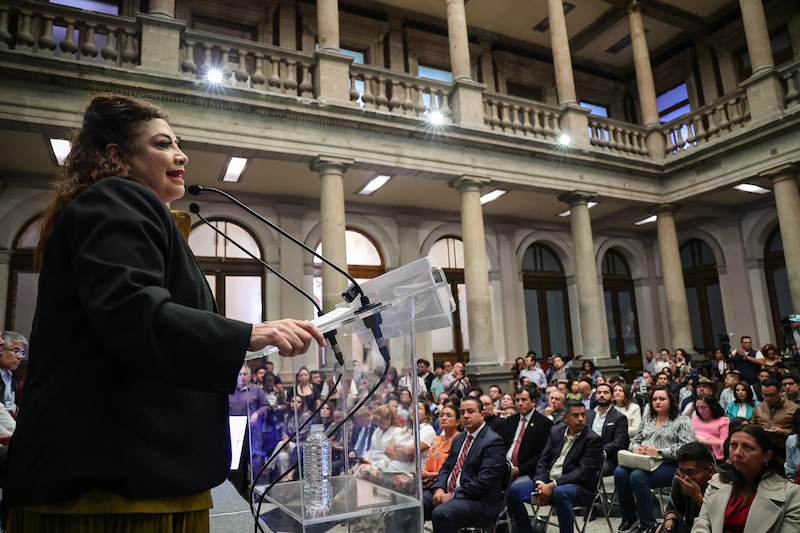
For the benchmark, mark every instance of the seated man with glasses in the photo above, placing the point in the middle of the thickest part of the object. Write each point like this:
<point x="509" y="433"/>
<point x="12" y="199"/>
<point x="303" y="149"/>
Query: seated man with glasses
<point x="775" y="416"/>
<point x="695" y="468"/>
<point x="14" y="350"/>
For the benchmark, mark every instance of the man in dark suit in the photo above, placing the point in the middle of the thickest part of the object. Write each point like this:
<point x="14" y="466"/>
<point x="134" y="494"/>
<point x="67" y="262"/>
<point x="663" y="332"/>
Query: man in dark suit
<point x="567" y="472"/>
<point x="360" y="435"/>
<point x="610" y="424"/>
<point x="467" y="490"/>
<point x="525" y="435"/>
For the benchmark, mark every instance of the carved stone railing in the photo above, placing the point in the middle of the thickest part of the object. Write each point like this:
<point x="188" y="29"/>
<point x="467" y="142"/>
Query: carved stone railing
<point x="519" y="116"/>
<point x="247" y="64"/>
<point x="70" y="34"/>
<point x="616" y="136"/>
<point x="376" y="88"/>
<point x="708" y="123"/>
<point x="790" y="75"/>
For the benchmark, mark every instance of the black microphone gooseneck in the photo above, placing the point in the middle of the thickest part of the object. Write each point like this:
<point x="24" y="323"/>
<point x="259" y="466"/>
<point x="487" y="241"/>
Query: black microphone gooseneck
<point x="373" y="322"/>
<point x="330" y="336"/>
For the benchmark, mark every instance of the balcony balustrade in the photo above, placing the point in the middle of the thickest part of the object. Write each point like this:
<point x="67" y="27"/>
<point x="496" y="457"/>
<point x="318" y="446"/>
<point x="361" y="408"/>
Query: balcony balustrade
<point x="63" y="34"/>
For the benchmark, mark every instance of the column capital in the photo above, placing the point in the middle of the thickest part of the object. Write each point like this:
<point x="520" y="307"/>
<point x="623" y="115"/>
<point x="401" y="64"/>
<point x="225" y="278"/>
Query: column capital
<point x="469" y="183"/>
<point x="408" y="221"/>
<point x="634" y="6"/>
<point x="781" y="172"/>
<point x="666" y="209"/>
<point x="574" y="198"/>
<point x="326" y="163"/>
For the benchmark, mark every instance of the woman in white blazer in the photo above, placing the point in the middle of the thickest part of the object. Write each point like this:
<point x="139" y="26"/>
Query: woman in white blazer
<point x="750" y="495"/>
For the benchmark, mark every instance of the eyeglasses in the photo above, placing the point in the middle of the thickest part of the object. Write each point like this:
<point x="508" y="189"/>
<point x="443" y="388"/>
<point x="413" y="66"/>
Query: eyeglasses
<point x="15" y="351"/>
<point x="689" y="472"/>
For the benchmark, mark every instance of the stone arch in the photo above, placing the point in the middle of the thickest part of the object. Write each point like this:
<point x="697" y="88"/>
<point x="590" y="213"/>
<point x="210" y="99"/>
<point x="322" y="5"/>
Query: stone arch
<point x="454" y="229"/>
<point x="560" y="245"/>
<point x="632" y="251"/>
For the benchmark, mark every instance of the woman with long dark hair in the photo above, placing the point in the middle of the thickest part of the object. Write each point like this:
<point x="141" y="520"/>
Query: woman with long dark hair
<point x="750" y="494"/>
<point x="711" y="424"/>
<point x="623" y="402"/>
<point x="662" y="432"/>
<point x="744" y="402"/>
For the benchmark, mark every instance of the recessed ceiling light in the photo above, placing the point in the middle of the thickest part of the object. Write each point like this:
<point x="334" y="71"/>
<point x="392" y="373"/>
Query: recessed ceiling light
<point x="233" y="172"/>
<point x="755" y="189"/>
<point x="490" y="196"/>
<point x="647" y="220"/>
<point x="60" y="149"/>
<point x="374" y="184"/>
<point x="568" y="212"/>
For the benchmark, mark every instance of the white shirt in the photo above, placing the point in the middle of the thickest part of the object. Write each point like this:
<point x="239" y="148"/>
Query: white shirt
<point x="526" y="420"/>
<point x="599" y="421"/>
<point x="10" y="397"/>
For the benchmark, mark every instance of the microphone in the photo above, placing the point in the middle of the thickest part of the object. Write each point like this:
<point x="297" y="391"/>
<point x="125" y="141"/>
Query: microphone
<point x="330" y="336"/>
<point x="373" y="322"/>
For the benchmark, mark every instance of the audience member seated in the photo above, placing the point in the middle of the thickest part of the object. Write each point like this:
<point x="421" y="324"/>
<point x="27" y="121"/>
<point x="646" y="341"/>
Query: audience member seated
<point x="735" y="425"/>
<point x="744" y="402"/>
<point x="525" y="435"/>
<point x="382" y="464"/>
<point x="610" y="425"/>
<point x="304" y="389"/>
<point x="790" y="384"/>
<point x="588" y="370"/>
<point x="662" y="432"/>
<point x="704" y="388"/>
<point x="507" y="405"/>
<point x="450" y="423"/>
<point x="771" y="358"/>
<point x="403" y="403"/>
<point x="426" y="436"/>
<point x="750" y="494"/>
<point x="625" y="405"/>
<point x="567" y="472"/>
<point x="489" y="416"/>
<point x="12" y="352"/>
<point x="711" y="424"/>
<point x="554" y="411"/>
<point x="296" y="417"/>
<point x="360" y="435"/>
<point x="793" y="451"/>
<point x="467" y="491"/>
<point x="775" y="416"/>
<point x="695" y="468"/>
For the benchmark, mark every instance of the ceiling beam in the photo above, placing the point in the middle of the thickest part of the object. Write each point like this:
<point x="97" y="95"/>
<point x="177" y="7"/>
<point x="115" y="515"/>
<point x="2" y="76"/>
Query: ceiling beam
<point x="586" y="37"/>
<point x="663" y="12"/>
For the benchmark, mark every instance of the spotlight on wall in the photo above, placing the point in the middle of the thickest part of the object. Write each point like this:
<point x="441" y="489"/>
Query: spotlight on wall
<point x="435" y="117"/>
<point x="564" y="139"/>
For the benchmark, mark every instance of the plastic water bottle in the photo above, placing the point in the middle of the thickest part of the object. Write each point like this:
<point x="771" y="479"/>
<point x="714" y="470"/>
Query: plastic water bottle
<point x="317" y="490"/>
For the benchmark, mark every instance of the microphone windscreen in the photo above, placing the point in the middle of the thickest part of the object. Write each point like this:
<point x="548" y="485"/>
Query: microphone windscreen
<point x="195" y="189"/>
<point x="194" y="208"/>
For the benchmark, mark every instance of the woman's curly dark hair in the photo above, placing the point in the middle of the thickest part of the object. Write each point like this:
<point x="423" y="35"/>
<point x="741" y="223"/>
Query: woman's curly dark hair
<point x="109" y="119"/>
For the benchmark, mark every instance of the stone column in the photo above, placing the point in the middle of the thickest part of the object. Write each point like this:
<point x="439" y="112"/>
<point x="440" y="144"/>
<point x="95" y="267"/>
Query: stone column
<point x="476" y="277"/>
<point x="5" y="259"/>
<point x="397" y="60"/>
<point x="487" y="65"/>
<point x="680" y="330"/>
<point x="641" y="62"/>
<point x="466" y="101"/>
<point x="160" y="43"/>
<point x="727" y="70"/>
<point x="164" y="8"/>
<point x="706" y="67"/>
<point x="562" y="60"/>
<point x="328" y="24"/>
<point x="332" y="226"/>
<point x="590" y="304"/>
<point x="787" y="201"/>
<point x="764" y="87"/>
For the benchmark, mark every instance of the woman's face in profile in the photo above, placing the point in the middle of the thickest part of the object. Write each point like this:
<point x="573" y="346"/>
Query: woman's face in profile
<point x="156" y="161"/>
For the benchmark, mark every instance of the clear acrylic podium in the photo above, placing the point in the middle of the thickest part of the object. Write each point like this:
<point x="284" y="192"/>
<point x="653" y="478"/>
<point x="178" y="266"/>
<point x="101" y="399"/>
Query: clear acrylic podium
<point x="379" y="489"/>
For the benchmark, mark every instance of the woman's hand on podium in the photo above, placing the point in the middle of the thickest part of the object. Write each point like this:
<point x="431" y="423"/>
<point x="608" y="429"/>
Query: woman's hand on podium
<point x="290" y="336"/>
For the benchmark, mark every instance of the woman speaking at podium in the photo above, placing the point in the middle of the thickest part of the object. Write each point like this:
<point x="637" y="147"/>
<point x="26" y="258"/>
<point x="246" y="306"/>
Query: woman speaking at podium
<point x="125" y="421"/>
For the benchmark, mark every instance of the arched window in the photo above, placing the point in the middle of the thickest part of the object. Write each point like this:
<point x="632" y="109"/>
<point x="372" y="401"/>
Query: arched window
<point x="546" y="302"/>
<point x="364" y="260"/>
<point x="236" y="280"/>
<point x="623" y="327"/>
<point x="453" y="343"/>
<point x="780" y="299"/>
<point x="23" y="282"/>
<point x="703" y="296"/>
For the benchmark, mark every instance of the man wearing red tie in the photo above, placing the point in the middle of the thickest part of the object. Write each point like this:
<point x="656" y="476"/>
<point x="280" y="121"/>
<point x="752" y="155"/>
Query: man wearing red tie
<point x="467" y="490"/>
<point x="525" y="435"/>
